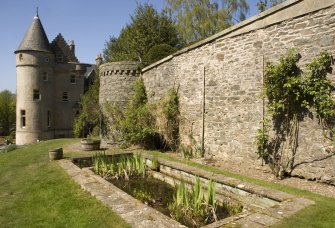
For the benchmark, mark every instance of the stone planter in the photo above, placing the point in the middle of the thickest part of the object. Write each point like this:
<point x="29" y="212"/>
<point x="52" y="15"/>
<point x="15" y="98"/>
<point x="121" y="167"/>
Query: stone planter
<point x="90" y="144"/>
<point x="56" y="154"/>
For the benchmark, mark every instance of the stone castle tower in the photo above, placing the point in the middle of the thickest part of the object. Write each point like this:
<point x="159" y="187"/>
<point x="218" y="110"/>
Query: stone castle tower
<point x="116" y="87"/>
<point x="49" y="83"/>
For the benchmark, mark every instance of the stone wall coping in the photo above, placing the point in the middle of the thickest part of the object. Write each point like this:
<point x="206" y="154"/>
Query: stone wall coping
<point x="229" y="181"/>
<point x="284" y="11"/>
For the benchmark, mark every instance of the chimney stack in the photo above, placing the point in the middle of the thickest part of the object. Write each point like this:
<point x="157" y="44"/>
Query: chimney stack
<point x="72" y="47"/>
<point x="98" y="60"/>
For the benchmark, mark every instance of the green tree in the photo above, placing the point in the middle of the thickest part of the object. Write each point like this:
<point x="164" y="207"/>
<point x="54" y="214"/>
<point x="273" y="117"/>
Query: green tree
<point x="147" y="29"/>
<point x="7" y="111"/>
<point x="198" y="19"/>
<point x="158" y="52"/>
<point x="262" y="5"/>
<point x="88" y="120"/>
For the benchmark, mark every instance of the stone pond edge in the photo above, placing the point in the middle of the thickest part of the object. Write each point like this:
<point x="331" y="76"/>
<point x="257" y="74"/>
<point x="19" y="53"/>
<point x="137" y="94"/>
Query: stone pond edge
<point x="140" y="215"/>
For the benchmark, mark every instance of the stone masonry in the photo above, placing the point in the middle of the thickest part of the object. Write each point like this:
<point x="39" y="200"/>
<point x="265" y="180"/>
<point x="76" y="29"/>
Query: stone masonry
<point x="225" y="72"/>
<point x="116" y="85"/>
<point x="49" y="84"/>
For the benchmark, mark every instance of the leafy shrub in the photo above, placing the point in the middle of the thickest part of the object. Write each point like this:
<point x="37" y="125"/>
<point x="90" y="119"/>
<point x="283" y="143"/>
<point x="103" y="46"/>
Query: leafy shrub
<point x="8" y="148"/>
<point x="88" y="120"/>
<point x="135" y="125"/>
<point x="167" y="119"/>
<point x="293" y="95"/>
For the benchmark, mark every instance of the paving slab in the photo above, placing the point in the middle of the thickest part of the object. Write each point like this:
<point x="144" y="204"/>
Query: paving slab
<point x="134" y="212"/>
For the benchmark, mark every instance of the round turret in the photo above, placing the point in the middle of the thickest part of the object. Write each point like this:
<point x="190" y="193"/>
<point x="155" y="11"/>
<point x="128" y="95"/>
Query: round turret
<point x="34" y="76"/>
<point x="116" y="82"/>
<point x="116" y="86"/>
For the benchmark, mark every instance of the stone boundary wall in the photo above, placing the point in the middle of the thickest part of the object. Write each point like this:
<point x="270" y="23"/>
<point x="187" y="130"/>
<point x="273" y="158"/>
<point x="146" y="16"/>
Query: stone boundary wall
<point x="225" y="73"/>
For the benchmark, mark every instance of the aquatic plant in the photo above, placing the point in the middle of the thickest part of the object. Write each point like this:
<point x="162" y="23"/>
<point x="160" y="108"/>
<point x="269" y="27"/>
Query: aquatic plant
<point x="191" y="207"/>
<point x="121" y="166"/>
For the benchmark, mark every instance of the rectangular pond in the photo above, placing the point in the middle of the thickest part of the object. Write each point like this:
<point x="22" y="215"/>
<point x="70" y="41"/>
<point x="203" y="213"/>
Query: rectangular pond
<point x="159" y="182"/>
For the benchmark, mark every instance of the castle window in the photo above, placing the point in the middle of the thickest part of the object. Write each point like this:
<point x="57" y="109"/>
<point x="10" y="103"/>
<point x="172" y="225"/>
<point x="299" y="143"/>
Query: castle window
<point x="73" y="79"/>
<point x="59" y="58"/>
<point x="21" y="57"/>
<point x="45" y="76"/>
<point x="23" y="118"/>
<point x="36" y="95"/>
<point x="49" y="119"/>
<point x="46" y="59"/>
<point x="65" y="96"/>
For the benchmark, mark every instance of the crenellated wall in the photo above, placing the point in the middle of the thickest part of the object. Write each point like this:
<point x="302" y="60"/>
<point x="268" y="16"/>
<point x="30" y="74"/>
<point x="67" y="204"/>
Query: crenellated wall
<point x="225" y="73"/>
<point x="116" y="86"/>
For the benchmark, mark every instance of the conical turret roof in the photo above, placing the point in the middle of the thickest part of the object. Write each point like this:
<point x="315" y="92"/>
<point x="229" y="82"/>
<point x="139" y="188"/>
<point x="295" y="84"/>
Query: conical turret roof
<point x="35" y="38"/>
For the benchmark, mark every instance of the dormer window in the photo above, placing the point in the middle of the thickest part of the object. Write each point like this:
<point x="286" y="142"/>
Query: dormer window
<point x="59" y="58"/>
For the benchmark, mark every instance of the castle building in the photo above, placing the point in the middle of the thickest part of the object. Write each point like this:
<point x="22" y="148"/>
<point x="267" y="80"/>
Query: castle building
<point x="49" y="83"/>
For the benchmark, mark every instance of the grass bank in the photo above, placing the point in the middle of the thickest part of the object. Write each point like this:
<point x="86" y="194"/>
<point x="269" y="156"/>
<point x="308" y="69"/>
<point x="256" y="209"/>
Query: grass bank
<point x="35" y="192"/>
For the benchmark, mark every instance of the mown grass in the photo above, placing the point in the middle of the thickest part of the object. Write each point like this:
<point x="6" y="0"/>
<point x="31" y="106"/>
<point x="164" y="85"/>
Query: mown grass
<point x="35" y="192"/>
<point x="321" y="214"/>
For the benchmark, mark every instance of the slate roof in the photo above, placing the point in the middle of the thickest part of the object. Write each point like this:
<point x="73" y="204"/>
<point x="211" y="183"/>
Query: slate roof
<point x="35" y="38"/>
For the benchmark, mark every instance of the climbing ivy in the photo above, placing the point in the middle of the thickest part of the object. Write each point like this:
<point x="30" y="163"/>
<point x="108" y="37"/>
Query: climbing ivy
<point x="293" y="95"/>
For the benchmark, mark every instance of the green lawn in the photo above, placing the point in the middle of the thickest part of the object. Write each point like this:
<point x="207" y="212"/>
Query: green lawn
<point x="37" y="193"/>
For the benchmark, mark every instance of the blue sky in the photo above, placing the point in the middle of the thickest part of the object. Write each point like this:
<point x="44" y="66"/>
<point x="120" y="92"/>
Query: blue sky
<point x="89" y="23"/>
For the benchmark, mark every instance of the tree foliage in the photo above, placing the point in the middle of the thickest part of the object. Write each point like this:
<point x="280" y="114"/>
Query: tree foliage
<point x="198" y="19"/>
<point x="147" y="29"/>
<point x="262" y="5"/>
<point x="88" y="120"/>
<point x="7" y="111"/>
<point x="293" y="95"/>
<point x="158" y="52"/>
